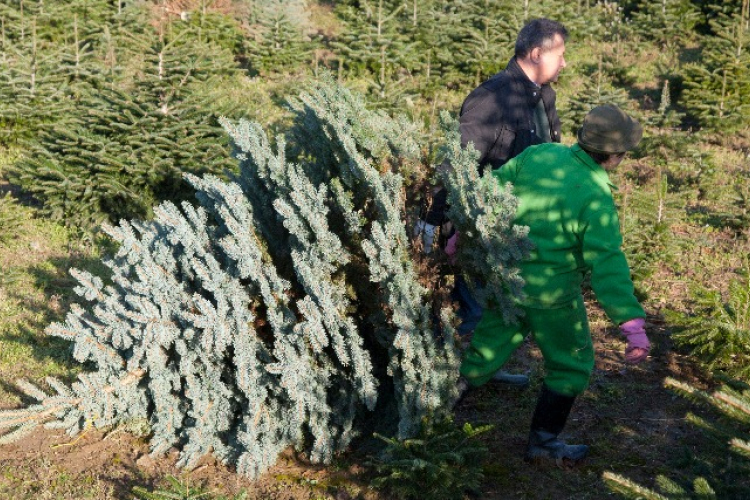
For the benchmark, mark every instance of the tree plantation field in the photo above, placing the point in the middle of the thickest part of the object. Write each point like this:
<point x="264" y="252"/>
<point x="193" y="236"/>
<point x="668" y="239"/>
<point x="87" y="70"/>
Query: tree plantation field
<point x="209" y="285"/>
<point x="636" y="426"/>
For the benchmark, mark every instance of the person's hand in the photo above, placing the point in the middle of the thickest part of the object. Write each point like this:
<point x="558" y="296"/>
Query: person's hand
<point x="428" y="234"/>
<point x="451" y="246"/>
<point x="638" y="345"/>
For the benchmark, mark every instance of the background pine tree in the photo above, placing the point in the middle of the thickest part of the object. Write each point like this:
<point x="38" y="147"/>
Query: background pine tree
<point x="718" y="88"/>
<point x="278" y="38"/>
<point x="717" y="331"/>
<point x="135" y="129"/>
<point x="33" y="90"/>
<point x="487" y="37"/>
<point x="597" y="90"/>
<point x="376" y="46"/>
<point x="670" y="23"/>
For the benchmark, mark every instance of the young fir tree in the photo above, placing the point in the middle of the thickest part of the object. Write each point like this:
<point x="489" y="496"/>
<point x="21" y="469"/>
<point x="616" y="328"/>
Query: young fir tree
<point x="131" y="137"/>
<point x="49" y="51"/>
<point x="487" y="37"/>
<point x="584" y="19"/>
<point x="716" y="333"/>
<point x="600" y="90"/>
<point x="435" y="35"/>
<point x="213" y="21"/>
<point x="278" y="41"/>
<point x="668" y="145"/>
<point x="717" y="90"/>
<point x="285" y="310"/>
<point x="666" y="118"/>
<point x="33" y="90"/>
<point x="669" y="23"/>
<point x="375" y="45"/>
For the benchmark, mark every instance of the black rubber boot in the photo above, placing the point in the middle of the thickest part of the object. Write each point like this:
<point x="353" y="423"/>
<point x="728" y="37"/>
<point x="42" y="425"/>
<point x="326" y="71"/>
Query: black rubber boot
<point x="549" y="418"/>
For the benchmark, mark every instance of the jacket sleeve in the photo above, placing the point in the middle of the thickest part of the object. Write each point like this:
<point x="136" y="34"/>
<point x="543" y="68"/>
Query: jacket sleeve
<point x="603" y="255"/>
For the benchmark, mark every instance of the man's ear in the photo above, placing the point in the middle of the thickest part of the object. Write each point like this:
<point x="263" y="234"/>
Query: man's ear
<point x="535" y="55"/>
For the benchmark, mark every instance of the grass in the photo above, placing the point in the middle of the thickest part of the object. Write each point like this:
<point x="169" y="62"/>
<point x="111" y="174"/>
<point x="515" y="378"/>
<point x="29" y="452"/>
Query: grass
<point x="34" y="291"/>
<point x="44" y="480"/>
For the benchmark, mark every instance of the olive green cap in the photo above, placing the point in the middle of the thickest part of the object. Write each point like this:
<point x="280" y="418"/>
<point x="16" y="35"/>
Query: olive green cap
<point x="607" y="129"/>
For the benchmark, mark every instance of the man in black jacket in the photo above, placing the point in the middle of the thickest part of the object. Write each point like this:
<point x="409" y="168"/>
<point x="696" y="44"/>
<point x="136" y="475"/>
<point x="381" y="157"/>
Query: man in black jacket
<point x="515" y="108"/>
<point x="506" y="114"/>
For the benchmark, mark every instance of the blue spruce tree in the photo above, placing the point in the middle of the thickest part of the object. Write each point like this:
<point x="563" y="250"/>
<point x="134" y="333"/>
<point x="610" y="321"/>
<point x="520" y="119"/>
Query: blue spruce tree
<point x="284" y="310"/>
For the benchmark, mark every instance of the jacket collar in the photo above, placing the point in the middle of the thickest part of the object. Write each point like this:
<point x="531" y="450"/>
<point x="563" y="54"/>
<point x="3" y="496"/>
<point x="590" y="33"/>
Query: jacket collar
<point x="600" y="175"/>
<point x="532" y="91"/>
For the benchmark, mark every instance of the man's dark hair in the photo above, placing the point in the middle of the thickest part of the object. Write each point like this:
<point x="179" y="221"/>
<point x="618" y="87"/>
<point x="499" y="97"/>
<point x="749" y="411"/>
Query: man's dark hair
<point x="538" y="33"/>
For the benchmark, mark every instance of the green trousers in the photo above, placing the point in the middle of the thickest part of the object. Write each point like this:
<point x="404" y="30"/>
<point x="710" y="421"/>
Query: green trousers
<point x="562" y="335"/>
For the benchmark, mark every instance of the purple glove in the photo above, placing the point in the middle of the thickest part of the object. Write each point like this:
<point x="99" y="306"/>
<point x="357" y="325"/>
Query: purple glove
<point x="451" y="246"/>
<point x="638" y="344"/>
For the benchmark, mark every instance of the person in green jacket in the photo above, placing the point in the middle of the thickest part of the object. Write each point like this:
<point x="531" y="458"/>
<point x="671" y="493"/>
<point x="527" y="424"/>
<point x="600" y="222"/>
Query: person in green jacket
<point x="565" y="198"/>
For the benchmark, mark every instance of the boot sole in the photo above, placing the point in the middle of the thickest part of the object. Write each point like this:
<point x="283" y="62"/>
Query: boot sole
<point x="561" y="462"/>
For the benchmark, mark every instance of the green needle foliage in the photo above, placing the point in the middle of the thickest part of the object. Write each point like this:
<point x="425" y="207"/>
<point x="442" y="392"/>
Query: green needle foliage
<point x="648" y="213"/>
<point x="443" y="462"/>
<point x="718" y="331"/>
<point x="718" y="88"/>
<point x="124" y="148"/>
<point x="670" y="490"/>
<point x="599" y="90"/>
<point x="278" y="40"/>
<point x="285" y="310"/>
<point x="491" y="245"/>
<point x="670" y="23"/>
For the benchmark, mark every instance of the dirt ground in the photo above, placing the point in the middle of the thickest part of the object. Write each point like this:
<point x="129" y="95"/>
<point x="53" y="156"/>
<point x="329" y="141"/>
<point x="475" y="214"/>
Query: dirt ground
<point x="634" y="425"/>
<point x="99" y="465"/>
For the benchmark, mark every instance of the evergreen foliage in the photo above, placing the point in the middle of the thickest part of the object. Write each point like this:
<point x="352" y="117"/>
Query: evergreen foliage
<point x="666" y="117"/>
<point x="442" y="462"/>
<point x="717" y="333"/>
<point x="669" y="23"/>
<point x="671" y="490"/>
<point x="124" y="148"/>
<point x="668" y="146"/>
<point x="49" y="50"/>
<point x="377" y="44"/>
<point x="285" y="310"/>
<point x="491" y="246"/>
<point x="33" y="87"/>
<point x="648" y="214"/>
<point x="486" y="42"/>
<point x="278" y="41"/>
<point x="437" y="32"/>
<point x="718" y="88"/>
<point x="598" y="90"/>
<point x="244" y="326"/>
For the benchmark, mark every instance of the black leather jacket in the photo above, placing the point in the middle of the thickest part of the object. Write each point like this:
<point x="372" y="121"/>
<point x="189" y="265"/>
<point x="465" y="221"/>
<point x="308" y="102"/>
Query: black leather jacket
<point x="498" y="117"/>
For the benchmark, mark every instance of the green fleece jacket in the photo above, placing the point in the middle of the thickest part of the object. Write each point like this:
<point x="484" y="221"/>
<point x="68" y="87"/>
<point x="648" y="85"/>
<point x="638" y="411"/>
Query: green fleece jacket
<point x="565" y="199"/>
